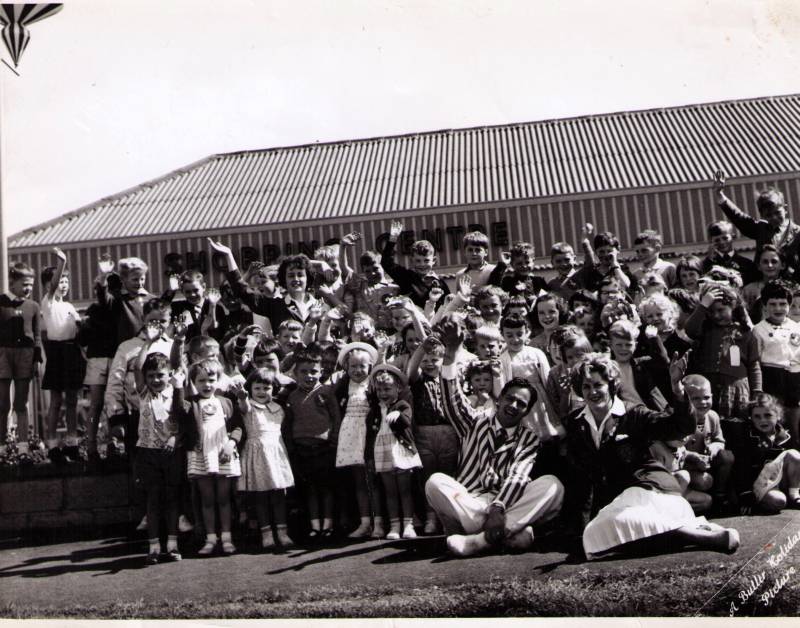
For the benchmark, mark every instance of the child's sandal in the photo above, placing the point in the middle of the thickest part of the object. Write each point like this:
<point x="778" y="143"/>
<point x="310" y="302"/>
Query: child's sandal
<point x="207" y="549"/>
<point x="228" y="548"/>
<point x="793" y="503"/>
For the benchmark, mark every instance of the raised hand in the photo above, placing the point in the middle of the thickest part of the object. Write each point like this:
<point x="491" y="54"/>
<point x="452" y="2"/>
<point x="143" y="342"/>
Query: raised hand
<point x="351" y="238"/>
<point x="177" y="378"/>
<point x="174" y="282"/>
<point x="505" y="258"/>
<point x="709" y="296"/>
<point x="395" y="229"/>
<point x="179" y="328"/>
<point x="435" y="294"/>
<point x="587" y="231"/>
<point x="60" y="254"/>
<point x="381" y="339"/>
<point x="213" y="295"/>
<point x="219" y="247"/>
<point x="678" y="365"/>
<point x="105" y="264"/>
<point x="314" y="314"/>
<point x="719" y="181"/>
<point x="464" y="286"/>
<point x="651" y="331"/>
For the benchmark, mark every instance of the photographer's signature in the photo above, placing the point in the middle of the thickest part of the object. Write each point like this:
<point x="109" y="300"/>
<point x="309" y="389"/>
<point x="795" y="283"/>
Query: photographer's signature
<point x="754" y="586"/>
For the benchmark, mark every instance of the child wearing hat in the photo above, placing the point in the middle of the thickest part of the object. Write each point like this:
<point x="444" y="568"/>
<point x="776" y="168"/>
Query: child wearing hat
<point x="357" y="359"/>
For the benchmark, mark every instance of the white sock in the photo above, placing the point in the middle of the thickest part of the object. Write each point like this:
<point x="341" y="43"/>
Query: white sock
<point x="327" y="523"/>
<point x="172" y="542"/>
<point x="794" y="493"/>
<point x="315" y="525"/>
<point x="226" y="537"/>
<point x="155" y="546"/>
<point x="211" y="538"/>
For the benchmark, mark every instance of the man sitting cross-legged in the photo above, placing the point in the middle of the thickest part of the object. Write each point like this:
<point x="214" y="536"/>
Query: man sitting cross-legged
<point x="492" y="502"/>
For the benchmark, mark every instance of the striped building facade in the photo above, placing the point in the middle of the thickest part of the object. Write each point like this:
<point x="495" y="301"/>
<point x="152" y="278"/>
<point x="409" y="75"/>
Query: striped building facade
<point x="536" y="181"/>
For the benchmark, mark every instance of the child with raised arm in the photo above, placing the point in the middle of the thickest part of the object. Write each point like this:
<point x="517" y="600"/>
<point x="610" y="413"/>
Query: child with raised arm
<point x="726" y="352"/>
<point x="416" y="282"/>
<point x="20" y="352"/>
<point x="63" y="374"/>
<point x="476" y="248"/>
<point x="773" y="227"/>
<point x="601" y="262"/>
<point x="159" y="455"/>
<point x="522" y="280"/>
<point x="200" y="308"/>
<point x="266" y="471"/>
<point x="373" y="289"/>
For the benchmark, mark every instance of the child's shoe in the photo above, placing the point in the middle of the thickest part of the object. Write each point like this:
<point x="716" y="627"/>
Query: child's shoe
<point x="171" y="556"/>
<point x="152" y="559"/>
<point x="431" y="526"/>
<point x="409" y="532"/>
<point x="228" y="547"/>
<point x="184" y="525"/>
<point x="362" y="531"/>
<point x="267" y="541"/>
<point x="284" y="542"/>
<point x="208" y="548"/>
<point x="394" y="530"/>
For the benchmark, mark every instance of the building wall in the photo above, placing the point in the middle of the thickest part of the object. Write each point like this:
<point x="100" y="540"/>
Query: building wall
<point x="681" y="215"/>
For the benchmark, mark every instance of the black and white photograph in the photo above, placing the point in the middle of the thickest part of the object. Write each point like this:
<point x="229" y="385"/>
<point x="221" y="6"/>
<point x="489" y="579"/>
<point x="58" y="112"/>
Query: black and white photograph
<point x="399" y="309"/>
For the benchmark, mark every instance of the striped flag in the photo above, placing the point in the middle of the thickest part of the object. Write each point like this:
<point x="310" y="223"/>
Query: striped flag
<point x="15" y="18"/>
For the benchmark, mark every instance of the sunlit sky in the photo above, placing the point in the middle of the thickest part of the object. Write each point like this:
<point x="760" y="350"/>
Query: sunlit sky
<point x="114" y="93"/>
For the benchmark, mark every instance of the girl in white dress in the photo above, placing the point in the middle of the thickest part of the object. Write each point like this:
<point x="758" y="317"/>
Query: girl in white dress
<point x="266" y="472"/>
<point x="394" y="451"/>
<point x="213" y="460"/>
<point x="357" y="359"/>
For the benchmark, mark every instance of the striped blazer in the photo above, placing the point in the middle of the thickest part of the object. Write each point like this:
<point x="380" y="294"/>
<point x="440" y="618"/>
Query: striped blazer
<point x="491" y="461"/>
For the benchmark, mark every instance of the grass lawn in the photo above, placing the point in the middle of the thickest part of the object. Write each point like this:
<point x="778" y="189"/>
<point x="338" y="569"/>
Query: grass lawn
<point x="590" y="592"/>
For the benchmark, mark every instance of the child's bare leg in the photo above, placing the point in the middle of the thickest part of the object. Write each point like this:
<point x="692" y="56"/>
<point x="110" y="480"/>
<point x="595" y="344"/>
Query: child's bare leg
<point x="791" y="478"/>
<point x="721" y="469"/>
<point x="5" y="408"/>
<point x="377" y="497"/>
<point x="21" y="410"/>
<point x="153" y="516"/>
<point x="362" y="495"/>
<point x="277" y="501"/>
<point x="172" y="509"/>
<point x="327" y="507"/>
<point x="389" y="480"/>
<point x="224" y="503"/>
<point x="53" y="412"/>
<point x="96" y="392"/>
<point x="205" y="486"/>
<point x="312" y="500"/>
<point x="700" y="501"/>
<point x="71" y="401"/>
<point x="262" y="515"/>
<point x="773" y="502"/>
<point x="406" y="503"/>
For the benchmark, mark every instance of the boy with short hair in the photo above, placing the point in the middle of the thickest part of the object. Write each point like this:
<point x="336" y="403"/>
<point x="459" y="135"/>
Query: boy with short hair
<point x="372" y="290"/>
<point x="562" y="257"/>
<point x="648" y="245"/>
<point x="603" y="265"/>
<point x="476" y="249"/>
<point x="310" y="431"/>
<point x="773" y="227"/>
<point x="522" y="280"/>
<point x="721" y="252"/>
<point x="637" y="384"/>
<point x="200" y="312"/>
<point x="418" y="281"/>
<point x="20" y="351"/>
<point x="708" y="462"/>
<point x="64" y="370"/>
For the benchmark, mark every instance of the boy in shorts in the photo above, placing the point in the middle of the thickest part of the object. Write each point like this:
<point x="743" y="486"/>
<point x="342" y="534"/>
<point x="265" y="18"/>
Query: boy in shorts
<point x="20" y="351"/>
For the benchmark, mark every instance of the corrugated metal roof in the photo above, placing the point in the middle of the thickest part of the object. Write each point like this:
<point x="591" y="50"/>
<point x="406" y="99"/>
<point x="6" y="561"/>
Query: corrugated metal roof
<point x="600" y="153"/>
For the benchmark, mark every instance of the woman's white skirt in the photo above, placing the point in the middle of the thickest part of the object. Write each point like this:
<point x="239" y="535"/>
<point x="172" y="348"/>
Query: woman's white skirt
<point x="638" y="513"/>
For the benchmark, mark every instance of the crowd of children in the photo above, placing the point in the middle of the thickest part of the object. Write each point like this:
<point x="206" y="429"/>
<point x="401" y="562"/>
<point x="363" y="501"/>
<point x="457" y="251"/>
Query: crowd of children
<point x="309" y="398"/>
